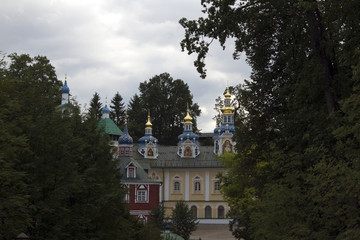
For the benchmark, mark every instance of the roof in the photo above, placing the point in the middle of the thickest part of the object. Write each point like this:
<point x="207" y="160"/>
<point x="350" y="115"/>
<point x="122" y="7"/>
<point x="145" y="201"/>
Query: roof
<point x="63" y="105"/>
<point x="109" y="127"/>
<point x="141" y="170"/>
<point x="168" y="158"/>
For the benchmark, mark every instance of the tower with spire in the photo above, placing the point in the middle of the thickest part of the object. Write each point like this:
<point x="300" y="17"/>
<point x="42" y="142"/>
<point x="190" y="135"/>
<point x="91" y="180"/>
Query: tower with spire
<point x="188" y="142"/>
<point x="110" y="128"/>
<point x="64" y="107"/>
<point x="65" y="90"/>
<point x="223" y="134"/>
<point x="125" y="142"/>
<point x="148" y="143"/>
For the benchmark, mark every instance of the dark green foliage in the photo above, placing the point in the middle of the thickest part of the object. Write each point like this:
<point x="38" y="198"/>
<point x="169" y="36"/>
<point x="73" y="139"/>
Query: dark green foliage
<point x="95" y="109"/>
<point x="182" y="221"/>
<point x="295" y="173"/>
<point x="117" y="107"/>
<point x="166" y="99"/>
<point x="157" y="217"/>
<point x="58" y="179"/>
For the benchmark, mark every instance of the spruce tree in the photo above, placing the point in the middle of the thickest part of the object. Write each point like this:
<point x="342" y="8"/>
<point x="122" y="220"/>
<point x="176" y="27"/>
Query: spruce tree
<point x="95" y="108"/>
<point x="117" y="113"/>
<point x="183" y="222"/>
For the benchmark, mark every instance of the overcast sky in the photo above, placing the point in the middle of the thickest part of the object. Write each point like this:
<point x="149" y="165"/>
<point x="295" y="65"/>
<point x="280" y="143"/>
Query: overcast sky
<point x="112" y="45"/>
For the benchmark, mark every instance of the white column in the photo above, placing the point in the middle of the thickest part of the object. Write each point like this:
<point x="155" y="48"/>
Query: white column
<point x="166" y="185"/>
<point x="160" y="192"/>
<point x="187" y="186"/>
<point x="207" y="186"/>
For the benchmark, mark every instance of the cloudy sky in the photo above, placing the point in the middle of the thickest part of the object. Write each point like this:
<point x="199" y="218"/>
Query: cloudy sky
<point x="112" y="45"/>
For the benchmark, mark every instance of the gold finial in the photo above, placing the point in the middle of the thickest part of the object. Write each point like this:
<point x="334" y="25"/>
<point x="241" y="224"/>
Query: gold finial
<point x="105" y="100"/>
<point x="65" y="76"/>
<point x="148" y="124"/>
<point x="188" y="118"/>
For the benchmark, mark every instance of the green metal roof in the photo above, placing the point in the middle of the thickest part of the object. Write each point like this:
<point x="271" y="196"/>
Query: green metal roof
<point x="109" y="127"/>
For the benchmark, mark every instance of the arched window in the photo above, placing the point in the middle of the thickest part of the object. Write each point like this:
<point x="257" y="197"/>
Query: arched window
<point x="207" y="212"/>
<point x="197" y="186"/>
<point x="194" y="211"/>
<point x="221" y="212"/>
<point x="176" y="186"/>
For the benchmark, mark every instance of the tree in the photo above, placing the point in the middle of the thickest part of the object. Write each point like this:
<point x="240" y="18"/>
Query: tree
<point x="117" y="113"/>
<point x="58" y="179"/>
<point x="166" y="99"/>
<point x="95" y="107"/>
<point x="291" y="138"/>
<point x="183" y="223"/>
<point x="157" y="217"/>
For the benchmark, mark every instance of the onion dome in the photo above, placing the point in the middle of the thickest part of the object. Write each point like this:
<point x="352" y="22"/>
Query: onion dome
<point x="146" y="139"/>
<point x="227" y="94"/>
<point x="227" y="108"/>
<point x="65" y="88"/>
<point x="125" y="139"/>
<point x="148" y="123"/>
<point x="188" y="118"/>
<point x="188" y="136"/>
<point x="105" y="109"/>
<point x="148" y="134"/>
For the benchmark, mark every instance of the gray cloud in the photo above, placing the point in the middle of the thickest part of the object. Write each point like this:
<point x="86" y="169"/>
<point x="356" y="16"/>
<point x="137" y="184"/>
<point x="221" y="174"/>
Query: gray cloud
<point x="110" y="46"/>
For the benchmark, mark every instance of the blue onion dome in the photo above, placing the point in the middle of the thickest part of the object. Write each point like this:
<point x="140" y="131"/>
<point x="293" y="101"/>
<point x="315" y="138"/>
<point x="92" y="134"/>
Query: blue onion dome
<point x="227" y="127"/>
<point x="125" y="138"/>
<point x="65" y="88"/>
<point x="188" y="135"/>
<point x="106" y="109"/>
<point x="146" y="139"/>
<point x="217" y="131"/>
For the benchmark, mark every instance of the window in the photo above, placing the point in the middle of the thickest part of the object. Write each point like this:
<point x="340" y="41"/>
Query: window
<point x="176" y="186"/>
<point x="194" y="211"/>
<point x="216" y="186"/>
<point x="221" y="212"/>
<point x="121" y="151"/>
<point x="196" y="151"/>
<point x="141" y="196"/>
<point x="208" y="212"/>
<point x="197" y="186"/>
<point x="126" y="151"/>
<point x="131" y="172"/>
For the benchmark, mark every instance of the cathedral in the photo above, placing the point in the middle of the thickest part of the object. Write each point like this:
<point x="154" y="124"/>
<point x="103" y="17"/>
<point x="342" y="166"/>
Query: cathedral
<point x="154" y="174"/>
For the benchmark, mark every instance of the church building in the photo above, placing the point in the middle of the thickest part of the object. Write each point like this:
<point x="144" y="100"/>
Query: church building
<point x="154" y="174"/>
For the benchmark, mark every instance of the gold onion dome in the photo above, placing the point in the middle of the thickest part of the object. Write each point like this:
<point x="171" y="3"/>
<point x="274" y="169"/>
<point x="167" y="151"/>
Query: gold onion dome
<point x="148" y="124"/>
<point x="227" y="94"/>
<point x="188" y="118"/>
<point x="227" y="109"/>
